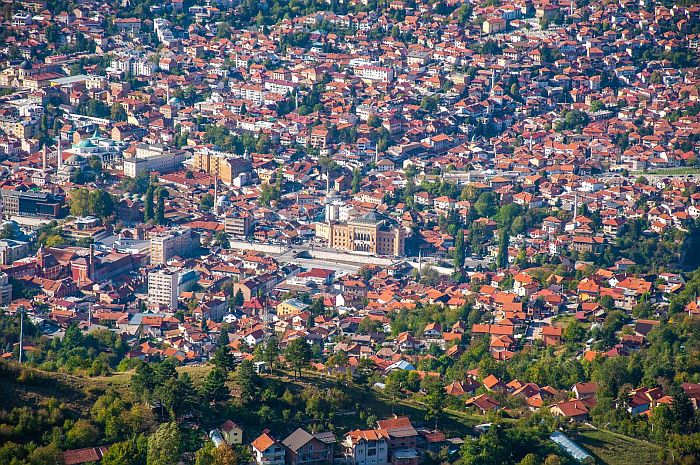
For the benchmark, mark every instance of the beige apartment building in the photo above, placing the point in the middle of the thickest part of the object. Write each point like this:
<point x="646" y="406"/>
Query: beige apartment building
<point x="239" y="224"/>
<point x="162" y="288"/>
<point x="176" y="242"/>
<point x="367" y="233"/>
<point x="224" y="165"/>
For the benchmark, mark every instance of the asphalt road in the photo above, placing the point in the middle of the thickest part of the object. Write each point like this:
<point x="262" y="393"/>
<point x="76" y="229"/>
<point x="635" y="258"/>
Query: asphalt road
<point x="345" y="262"/>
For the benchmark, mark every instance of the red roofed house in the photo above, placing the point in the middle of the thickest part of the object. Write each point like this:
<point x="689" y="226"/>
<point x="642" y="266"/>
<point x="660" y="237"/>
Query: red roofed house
<point x="571" y="409"/>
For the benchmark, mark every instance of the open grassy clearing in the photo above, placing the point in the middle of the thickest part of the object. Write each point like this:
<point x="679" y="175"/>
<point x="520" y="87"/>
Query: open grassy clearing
<point x="615" y="449"/>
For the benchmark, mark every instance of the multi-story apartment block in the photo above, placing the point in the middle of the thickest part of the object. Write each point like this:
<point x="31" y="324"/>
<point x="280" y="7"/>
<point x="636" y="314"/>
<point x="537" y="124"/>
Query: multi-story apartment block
<point x="162" y="288"/>
<point x="367" y="447"/>
<point x="239" y="224"/>
<point x="226" y="166"/>
<point x="176" y="242"/>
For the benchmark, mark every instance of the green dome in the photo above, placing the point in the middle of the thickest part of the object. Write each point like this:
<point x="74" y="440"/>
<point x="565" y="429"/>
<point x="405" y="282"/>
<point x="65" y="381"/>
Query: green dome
<point x="84" y="144"/>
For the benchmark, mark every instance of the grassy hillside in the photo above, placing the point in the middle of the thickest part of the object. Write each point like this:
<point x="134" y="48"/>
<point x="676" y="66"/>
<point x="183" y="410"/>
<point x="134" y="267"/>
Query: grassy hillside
<point x="28" y="388"/>
<point x="615" y="449"/>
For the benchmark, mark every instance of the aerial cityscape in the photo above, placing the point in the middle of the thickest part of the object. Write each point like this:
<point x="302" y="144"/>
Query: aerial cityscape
<point x="349" y="232"/>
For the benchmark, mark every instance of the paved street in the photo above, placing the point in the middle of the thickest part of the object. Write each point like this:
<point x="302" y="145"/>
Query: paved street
<point x="342" y="262"/>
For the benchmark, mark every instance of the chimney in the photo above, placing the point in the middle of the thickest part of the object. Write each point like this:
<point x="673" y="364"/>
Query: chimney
<point x="91" y="264"/>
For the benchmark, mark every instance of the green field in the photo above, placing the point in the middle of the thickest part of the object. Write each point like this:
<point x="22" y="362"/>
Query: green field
<point x="615" y="449"/>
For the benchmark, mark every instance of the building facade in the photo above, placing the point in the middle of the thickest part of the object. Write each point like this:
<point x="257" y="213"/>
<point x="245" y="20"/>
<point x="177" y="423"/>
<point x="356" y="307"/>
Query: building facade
<point x="177" y="242"/>
<point x="368" y="447"/>
<point x="5" y="289"/>
<point x="226" y="166"/>
<point x="162" y="288"/>
<point x="30" y="204"/>
<point x="11" y="250"/>
<point x="367" y="233"/>
<point x="153" y="158"/>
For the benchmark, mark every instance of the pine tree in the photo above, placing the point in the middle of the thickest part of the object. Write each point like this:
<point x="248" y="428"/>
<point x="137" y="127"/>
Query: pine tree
<point x="238" y="299"/>
<point x="502" y="257"/>
<point x="298" y="354"/>
<point x="160" y="207"/>
<point x="356" y="180"/>
<point x="214" y="388"/>
<point x="460" y="250"/>
<point x="148" y="202"/>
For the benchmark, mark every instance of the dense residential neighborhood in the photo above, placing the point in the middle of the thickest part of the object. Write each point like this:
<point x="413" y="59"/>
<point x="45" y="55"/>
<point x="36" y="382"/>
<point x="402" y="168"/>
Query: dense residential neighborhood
<point x="349" y="232"/>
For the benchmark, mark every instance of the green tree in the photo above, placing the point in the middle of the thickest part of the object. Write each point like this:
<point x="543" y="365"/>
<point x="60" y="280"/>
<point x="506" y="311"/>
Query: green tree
<point x="247" y="380"/>
<point x="117" y="113"/>
<point x="223" y="358"/>
<point x="214" y="388"/>
<point x="222" y="240"/>
<point x="239" y="299"/>
<point x="207" y="201"/>
<point x="502" y="256"/>
<point x="271" y="351"/>
<point x="356" y="180"/>
<point x="81" y="434"/>
<point x="460" y="251"/>
<point x="574" y="332"/>
<point x="486" y="204"/>
<point x="79" y="202"/>
<point x="164" y="445"/>
<point x="298" y="354"/>
<point x="101" y="203"/>
<point x="435" y="397"/>
<point x="161" y="194"/>
<point x="148" y="213"/>
<point x="131" y="452"/>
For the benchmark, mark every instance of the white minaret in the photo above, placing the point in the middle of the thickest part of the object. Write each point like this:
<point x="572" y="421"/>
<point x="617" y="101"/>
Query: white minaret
<point x="59" y="157"/>
<point x="575" y="209"/>
<point x="44" y="157"/>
